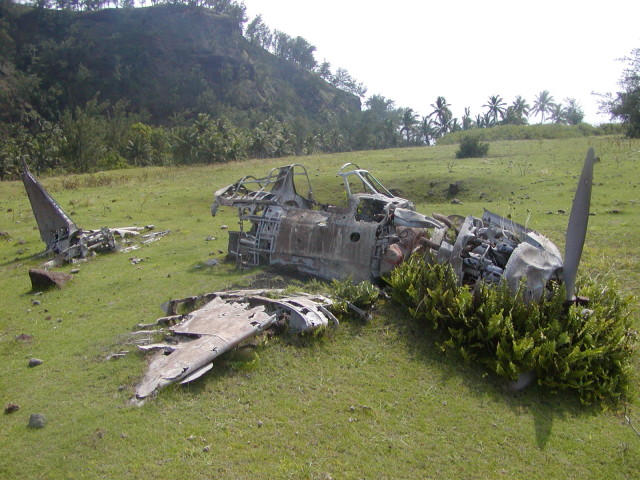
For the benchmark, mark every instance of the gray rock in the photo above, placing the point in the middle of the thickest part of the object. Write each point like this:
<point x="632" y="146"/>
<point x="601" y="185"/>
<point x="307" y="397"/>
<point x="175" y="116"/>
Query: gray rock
<point x="44" y="279"/>
<point x="37" y="420"/>
<point x="34" y="362"/>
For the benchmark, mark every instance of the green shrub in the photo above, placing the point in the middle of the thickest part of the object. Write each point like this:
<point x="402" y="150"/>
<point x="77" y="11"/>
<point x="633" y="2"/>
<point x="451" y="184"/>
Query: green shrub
<point x="588" y="351"/>
<point x="471" y="147"/>
<point x="360" y="295"/>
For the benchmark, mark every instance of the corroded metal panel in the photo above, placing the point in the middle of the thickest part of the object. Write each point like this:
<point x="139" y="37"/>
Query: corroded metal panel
<point x="326" y="244"/>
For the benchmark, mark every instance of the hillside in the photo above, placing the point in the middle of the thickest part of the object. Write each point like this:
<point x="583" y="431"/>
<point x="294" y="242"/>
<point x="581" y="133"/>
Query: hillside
<point x="164" y="60"/>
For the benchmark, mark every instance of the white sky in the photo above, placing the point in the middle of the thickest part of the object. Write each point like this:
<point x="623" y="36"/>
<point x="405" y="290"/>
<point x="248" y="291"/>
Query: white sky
<point x="412" y="51"/>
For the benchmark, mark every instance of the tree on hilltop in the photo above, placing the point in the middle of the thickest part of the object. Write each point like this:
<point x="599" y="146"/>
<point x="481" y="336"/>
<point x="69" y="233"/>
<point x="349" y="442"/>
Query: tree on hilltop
<point x="442" y="114"/>
<point x="624" y="105"/>
<point x="409" y="120"/>
<point x="259" y="33"/>
<point x="496" y="107"/>
<point x="543" y="104"/>
<point x="574" y="114"/>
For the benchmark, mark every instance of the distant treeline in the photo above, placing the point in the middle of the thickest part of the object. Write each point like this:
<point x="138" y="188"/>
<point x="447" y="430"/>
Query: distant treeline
<point x="103" y="137"/>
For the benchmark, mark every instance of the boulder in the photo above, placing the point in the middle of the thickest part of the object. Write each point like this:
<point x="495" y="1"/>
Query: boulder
<point x="37" y="420"/>
<point x="44" y="279"/>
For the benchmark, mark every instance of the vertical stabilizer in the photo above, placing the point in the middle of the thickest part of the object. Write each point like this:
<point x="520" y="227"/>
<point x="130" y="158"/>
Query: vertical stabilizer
<point x="54" y="224"/>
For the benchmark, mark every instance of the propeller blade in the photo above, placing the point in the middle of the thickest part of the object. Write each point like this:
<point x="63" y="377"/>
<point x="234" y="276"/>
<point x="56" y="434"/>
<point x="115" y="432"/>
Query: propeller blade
<point x="577" y="229"/>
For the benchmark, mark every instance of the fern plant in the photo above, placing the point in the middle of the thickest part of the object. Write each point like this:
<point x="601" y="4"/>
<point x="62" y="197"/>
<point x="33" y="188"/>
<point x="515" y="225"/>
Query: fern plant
<point x="586" y="350"/>
<point x="360" y="295"/>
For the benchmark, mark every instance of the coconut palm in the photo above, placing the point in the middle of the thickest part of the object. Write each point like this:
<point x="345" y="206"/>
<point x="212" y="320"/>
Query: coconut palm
<point x="543" y="104"/>
<point x="467" y="121"/>
<point x="496" y="107"/>
<point x="558" y="114"/>
<point x="443" y="115"/>
<point x="521" y="108"/>
<point x="409" y="120"/>
<point x="427" y="130"/>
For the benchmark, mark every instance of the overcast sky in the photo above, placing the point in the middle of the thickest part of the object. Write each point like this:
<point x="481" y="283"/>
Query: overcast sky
<point x="412" y="51"/>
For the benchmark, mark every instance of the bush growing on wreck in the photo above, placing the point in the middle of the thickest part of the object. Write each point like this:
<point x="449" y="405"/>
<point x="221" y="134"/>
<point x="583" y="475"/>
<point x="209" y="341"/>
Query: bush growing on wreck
<point x="361" y="295"/>
<point x="589" y="351"/>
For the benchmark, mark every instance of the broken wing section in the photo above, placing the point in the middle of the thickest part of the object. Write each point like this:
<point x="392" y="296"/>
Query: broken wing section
<point x="54" y="224"/>
<point x="217" y="328"/>
<point x="226" y="320"/>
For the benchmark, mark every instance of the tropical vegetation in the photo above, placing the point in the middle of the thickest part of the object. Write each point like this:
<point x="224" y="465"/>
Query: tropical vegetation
<point x="624" y="105"/>
<point x="587" y="351"/>
<point x="62" y="111"/>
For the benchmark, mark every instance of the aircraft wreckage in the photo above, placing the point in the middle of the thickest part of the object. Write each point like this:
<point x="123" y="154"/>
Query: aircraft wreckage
<point x="224" y="321"/>
<point x="364" y="240"/>
<point x="377" y="231"/>
<point x="62" y="236"/>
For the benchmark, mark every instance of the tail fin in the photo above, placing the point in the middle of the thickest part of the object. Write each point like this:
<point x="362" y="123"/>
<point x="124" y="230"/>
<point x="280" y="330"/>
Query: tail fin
<point x="52" y="220"/>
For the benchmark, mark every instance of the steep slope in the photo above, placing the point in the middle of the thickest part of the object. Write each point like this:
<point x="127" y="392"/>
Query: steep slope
<point x="164" y="60"/>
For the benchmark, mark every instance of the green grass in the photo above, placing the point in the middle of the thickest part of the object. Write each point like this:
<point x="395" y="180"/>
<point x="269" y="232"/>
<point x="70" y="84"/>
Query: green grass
<point x="364" y="401"/>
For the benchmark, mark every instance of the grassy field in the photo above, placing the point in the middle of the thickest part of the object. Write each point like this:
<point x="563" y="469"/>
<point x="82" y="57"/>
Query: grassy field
<point x="374" y="400"/>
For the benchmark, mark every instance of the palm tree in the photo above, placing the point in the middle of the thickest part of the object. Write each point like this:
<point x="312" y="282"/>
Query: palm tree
<point x="334" y="141"/>
<point x="542" y="104"/>
<point x="203" y="123"/>
<point x="521" y="108"/>
<point x="427" y="130"/>
<point x="409" y="119"/>
<point x="467" y="121"/>
<point x="558" y="113"/>
<point x="496" y="107"/>
<point x="442" y="113"/>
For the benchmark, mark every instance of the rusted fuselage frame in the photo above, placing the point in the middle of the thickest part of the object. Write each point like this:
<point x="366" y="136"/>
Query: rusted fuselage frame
<point x="375" y="232"/>
<point x="280" y="227"/>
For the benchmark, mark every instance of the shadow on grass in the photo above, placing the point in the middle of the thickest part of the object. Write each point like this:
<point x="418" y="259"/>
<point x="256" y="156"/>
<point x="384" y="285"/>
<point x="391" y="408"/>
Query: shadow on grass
<point x="541" y="403"/>
<point x="18" y="261"/>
